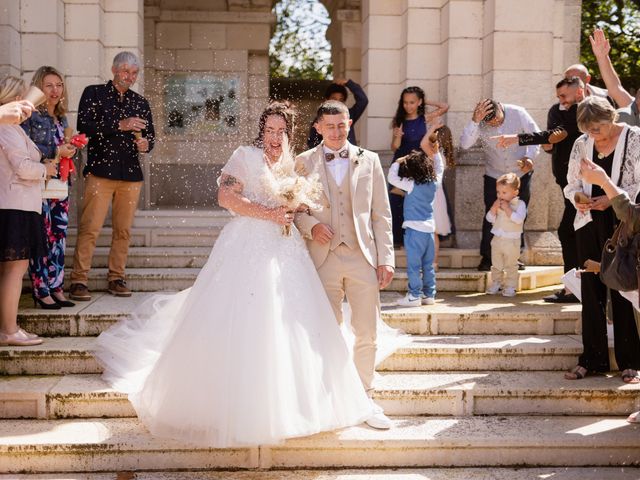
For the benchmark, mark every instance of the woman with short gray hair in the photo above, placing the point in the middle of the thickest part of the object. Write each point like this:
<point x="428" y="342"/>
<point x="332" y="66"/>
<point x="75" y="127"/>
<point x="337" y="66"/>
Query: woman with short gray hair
<point x="615" y="147"/>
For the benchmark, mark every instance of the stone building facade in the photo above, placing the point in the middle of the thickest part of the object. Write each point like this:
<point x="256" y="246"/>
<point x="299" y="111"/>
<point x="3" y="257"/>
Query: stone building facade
<point x="457" y="50"/>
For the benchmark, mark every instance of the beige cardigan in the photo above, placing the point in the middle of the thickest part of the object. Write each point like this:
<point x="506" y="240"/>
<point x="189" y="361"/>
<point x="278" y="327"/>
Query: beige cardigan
<point x="21" y="173"/>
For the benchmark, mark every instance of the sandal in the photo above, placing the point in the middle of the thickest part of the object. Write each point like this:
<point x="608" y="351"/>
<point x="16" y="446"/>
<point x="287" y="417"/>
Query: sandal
<point x="634" y="417"/>
<point x="576" y="373"/>
<point x="630" y="376"/>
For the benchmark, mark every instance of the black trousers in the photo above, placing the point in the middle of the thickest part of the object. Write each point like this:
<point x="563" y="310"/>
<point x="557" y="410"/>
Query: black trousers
<point x="590" y="240"/>
<point x="567" y="236"/>
<point x="490" y="196"/>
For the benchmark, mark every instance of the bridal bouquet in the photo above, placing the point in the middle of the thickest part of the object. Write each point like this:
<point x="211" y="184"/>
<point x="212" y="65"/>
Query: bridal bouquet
<point x="287" y="188"/>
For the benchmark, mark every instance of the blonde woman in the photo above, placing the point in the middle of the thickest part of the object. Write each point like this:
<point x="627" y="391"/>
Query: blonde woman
<point x="21" y="226"/>
<point x="46" y="128"/>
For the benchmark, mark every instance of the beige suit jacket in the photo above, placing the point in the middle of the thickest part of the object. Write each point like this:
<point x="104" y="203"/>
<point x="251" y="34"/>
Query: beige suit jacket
<point x="370" y="205"/>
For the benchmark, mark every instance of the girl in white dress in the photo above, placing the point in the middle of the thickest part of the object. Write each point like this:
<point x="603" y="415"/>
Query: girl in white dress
<point x="444" y="225"/>
<point x="252" y="353"/>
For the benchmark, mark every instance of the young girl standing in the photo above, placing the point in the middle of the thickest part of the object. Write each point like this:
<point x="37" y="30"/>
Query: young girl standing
<point x="409" y="127"/>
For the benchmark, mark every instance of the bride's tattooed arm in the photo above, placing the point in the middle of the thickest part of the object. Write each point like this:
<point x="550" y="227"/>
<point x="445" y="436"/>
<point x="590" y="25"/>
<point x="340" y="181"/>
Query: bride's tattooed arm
<point x="230" y="197"/>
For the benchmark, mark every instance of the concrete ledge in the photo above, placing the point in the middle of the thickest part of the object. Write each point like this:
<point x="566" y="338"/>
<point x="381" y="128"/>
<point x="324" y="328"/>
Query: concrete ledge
<point x="399" y="393"/>
<point x="123" y="444"/>
<point x="565" y="473"/>
<point x="64" y="355"/>
<point x="481" y="314"/>
<point x="453" y="314"/>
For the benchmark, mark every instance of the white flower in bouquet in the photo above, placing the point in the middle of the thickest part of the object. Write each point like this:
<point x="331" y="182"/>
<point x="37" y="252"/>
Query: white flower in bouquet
<point x="289" y="189"/>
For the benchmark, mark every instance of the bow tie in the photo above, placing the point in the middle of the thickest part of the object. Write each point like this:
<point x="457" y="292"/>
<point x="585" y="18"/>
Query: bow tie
<point x="342" y="154"/>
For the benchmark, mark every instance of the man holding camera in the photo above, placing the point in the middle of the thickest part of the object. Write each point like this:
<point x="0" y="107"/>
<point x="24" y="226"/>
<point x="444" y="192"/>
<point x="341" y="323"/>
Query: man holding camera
<point x="491" y="118"/>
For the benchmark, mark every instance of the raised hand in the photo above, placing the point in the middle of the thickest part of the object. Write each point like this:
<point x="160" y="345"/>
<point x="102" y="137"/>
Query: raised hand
<point x="592" y="173"/>
<point x="599" y="43"/>
<point x="16" y="112"/>
<point x="429" y="143"/>
<point x="482" y="109"/>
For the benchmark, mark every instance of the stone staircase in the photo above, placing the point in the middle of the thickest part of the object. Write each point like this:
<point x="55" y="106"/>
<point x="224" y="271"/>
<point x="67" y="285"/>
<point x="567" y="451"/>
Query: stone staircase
<point x="479" y="386"/>
<point x="477" y="394"/>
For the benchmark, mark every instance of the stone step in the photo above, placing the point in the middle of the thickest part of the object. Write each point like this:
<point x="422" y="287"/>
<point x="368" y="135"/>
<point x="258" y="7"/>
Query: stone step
<point x="399" y="393"/>
<point x="30" y="446"/>
<point x="185" y="256"/>
<point x="181" y="218"/>
<point x="563" y="473"/>
<point x="158" y="237"/>
<point x="454" y="313"/>
<point x="470" y="280"/>
<point x="150" y="257"/>
<point x="447" y="280"/>
<point x="63" y="355"/>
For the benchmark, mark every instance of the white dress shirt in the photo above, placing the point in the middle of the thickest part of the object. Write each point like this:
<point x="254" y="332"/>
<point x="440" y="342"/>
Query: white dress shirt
<point x="502" y="160"/>
<point x="338" y="167"/>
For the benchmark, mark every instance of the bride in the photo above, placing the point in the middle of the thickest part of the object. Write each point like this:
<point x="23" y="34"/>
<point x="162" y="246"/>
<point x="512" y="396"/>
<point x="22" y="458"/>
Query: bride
<point x="252" y="353"/>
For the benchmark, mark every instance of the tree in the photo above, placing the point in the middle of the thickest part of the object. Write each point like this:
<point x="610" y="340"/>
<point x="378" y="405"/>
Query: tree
<point x="299" y="47"/>
<point x="620" y="19"/>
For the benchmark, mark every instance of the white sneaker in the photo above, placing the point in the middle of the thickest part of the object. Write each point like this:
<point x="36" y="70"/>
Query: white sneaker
<point x="509" y="292"/>
<point x="493" y="289"/>
<point x="428" y="301"/>
<point x="409" y="301"/>
<point x="379" y="420"/>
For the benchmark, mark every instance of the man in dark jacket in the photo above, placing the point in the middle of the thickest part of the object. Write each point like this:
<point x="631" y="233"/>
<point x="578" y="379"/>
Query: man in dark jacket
<point x="118" y="122"/>
<point x="339" y="90"/>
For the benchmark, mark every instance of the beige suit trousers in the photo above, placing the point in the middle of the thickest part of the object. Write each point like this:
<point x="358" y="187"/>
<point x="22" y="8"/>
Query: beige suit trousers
<point x="504" y="260"/>
<point x="347" y="272"/>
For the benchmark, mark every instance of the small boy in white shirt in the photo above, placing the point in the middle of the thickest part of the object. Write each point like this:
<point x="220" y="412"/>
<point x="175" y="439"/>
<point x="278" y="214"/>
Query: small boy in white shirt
<point x="507" y="215"/>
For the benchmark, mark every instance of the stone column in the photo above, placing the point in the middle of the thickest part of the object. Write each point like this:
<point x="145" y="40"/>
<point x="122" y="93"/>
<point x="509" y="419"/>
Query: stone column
<point x="384" y="68"/>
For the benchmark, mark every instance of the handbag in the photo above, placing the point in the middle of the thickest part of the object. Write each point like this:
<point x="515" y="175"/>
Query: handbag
<point x="620" y="261"/>
<point x="55" y="188"/>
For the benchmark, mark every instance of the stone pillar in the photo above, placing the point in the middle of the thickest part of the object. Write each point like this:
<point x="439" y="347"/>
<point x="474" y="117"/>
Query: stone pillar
<point x="383" y="68"/>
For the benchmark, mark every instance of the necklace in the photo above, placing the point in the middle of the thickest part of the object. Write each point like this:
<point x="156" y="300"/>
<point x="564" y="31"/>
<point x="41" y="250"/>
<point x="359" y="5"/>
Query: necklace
<point x="601" y="155"/>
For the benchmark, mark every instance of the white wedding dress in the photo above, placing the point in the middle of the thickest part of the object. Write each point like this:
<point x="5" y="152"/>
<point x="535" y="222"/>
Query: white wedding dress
<point x="251" y="354"/>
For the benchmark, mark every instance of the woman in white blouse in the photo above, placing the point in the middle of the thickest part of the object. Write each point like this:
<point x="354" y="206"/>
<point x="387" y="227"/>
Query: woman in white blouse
<point x="615" y="147"/>
<point x="21" y="225"/>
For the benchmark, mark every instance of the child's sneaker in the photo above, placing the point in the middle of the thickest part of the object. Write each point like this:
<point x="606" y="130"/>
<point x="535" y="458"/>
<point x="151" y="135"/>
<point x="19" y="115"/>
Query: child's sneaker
<point x="509" y="292"/>
<point x="494" y="288"/>
<point x="409" y="301"/>
<point x="428" y="300"/>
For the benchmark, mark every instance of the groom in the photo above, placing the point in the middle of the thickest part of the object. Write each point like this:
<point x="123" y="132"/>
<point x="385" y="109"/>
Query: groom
<point x="349" y="236"/>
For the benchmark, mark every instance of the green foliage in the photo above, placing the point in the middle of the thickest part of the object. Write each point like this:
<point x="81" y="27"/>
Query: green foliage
<point x="620" y="20"/>
<point x="299" y="48"/>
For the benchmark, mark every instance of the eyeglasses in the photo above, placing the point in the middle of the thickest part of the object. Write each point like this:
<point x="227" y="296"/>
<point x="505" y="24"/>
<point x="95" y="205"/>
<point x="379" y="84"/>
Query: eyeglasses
<point x="597" y="130"/>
